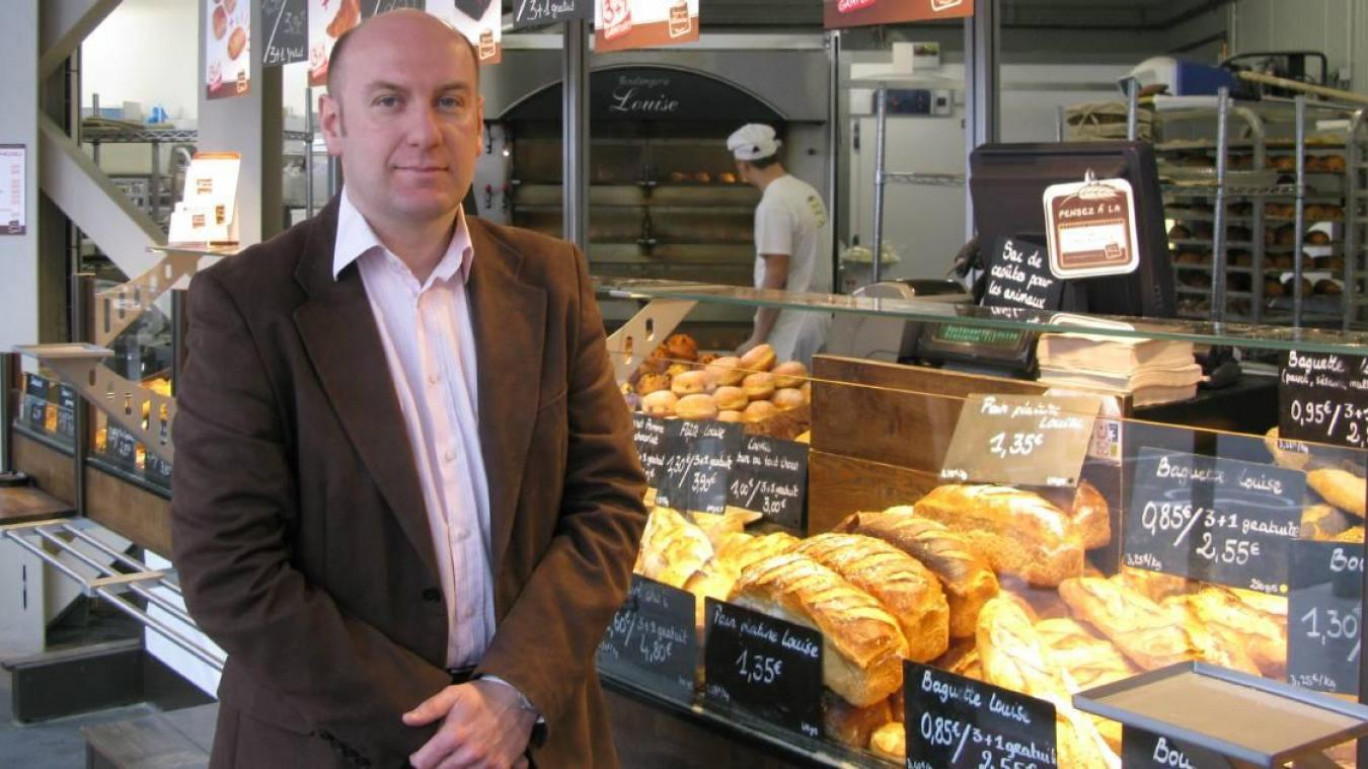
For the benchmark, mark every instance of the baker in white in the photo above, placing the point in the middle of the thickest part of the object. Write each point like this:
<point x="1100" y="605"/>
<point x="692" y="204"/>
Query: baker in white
<point x="792" y="251"/>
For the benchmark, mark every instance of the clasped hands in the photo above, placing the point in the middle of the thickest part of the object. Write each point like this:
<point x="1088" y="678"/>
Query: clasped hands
<point x="482" y="727"/>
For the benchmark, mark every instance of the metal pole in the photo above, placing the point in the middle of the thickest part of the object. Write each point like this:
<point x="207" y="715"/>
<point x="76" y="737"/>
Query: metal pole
<point x="1350" y="295"/>
<point x="154" y="184"/>
<point x="1218" y="235"/>
<point x="309" y="151"/>
<point x="982" y="43"/>
<point x="575" y="119"/>
<point x="881" y="116"/>
<point x="1060" y="123"/>
<point x="1132" y="108"/>
<point x="833" y="152"/>
<point x="1299" y="223"/>
<point x="82" y="301"/>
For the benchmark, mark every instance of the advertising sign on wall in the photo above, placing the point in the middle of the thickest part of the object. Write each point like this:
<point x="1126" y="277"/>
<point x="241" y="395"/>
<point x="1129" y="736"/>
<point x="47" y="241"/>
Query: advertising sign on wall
<point x="481" y="21"/>
<point x="863" y="13"/>
<point x="227" y="68"/>
<point x="621" y="25"/>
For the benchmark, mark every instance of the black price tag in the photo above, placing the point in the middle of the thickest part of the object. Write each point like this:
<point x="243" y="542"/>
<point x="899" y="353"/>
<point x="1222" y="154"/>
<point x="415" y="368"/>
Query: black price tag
<point x="1325" y="616"/>
<point x="1323" y="397"/>
<point x="652" y="639"/>
<point x="649" y="434"/>
<point x="765" y="666"/>
<point x="953" y="722"/>
<point x="157" y="470"/>
<point x="698" y="459"/>
<point x="66" y="412"/>
<point x="1146" y="749"/>
<point x="1023" y="440"/>
<point x="769" y="476"/>
<point x="35" y="402"/>
<point x="536" y="13"/>
<point x="121" y="447"/>
<point x="1019" y="276"/>
<point x="1219" y="520"/>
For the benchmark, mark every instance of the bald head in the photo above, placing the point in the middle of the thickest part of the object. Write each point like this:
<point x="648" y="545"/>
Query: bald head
<point x="398" y="24"/>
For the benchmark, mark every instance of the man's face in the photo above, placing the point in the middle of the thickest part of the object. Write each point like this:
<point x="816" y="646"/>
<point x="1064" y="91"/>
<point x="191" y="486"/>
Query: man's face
<point x="406" y="122"/>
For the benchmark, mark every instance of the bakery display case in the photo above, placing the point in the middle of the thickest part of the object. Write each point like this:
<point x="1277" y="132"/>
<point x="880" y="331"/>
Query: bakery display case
<point x="851" y="574"/>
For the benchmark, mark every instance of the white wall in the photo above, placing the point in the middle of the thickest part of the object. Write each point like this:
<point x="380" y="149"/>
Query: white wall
<point x="146" y="51"/>
<point x="19" y="300"/>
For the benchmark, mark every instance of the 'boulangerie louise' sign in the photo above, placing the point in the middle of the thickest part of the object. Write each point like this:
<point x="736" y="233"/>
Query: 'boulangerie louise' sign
<point x="861" y="13"/>
<point x="226" y="59"/>
<point x="620" y="25"/>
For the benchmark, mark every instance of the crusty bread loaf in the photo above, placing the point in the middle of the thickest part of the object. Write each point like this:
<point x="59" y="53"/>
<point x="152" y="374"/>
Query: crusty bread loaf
<point x="850" y="725"/>
<point x="1340" y="488"/>
<point x="965" y="575"/>
<point x="1014" y="657"/>
<point x="1019" y="532"/>
<point x="1241" y="627"/>
<point x="1216" y="648"/>
<point x="897" y="704"/>
<point x="863" y="647"/>
<point x="890" y="741"/>
<point x="672" y="549"/>
<point x="1151" y="635"/>
<point x="962" y="659"/>
<point x="906" y="588"/>
<point x="742" y="550"/>
<point x="1090" y="660"/>
<point x="714" y="579"/>
<point x="1092" y="516"/>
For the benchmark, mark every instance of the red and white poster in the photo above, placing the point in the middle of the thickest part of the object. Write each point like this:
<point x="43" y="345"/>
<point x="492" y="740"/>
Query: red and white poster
<point x="621" y="25"/>
<point x="481" y="21"/>
<point x="227" y="58"/>
<point x="328" y="20"/>
<point x="863" y="13"/>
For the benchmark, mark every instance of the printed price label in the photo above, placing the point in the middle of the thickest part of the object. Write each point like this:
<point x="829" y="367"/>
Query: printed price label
<point x="955" y="722"/>
<point x="1146" y="749"/>
<point x="769" y="476"/>
<point x="698" y="460"/>
<point x="1218" y="520"/>
<point x="1323" y="397"/>
<point x="1021" y="439"/>
<point x="1325" y="616"/>
<point x="764" y="665"/>
<point x="652" y="639"/>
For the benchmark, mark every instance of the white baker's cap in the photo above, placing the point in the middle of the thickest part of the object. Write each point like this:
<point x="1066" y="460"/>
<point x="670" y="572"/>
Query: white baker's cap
<point x="753" y="141"/>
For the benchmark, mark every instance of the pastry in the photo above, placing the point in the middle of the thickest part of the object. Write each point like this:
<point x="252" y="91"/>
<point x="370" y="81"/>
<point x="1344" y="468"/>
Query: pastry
<point x="788" y="398"/>
<point x="681" y="347"/>
<point x="1090" y="660"/>
<point x="1017" y="531"/>
<point x="717" y="525"/>
<point x="1340" y="488"/>
<point x="649" y="383"/>
<point x="660" y="403"/>
<point x="1218" y="648"/>
<point x="758" y="411"/>
<point x="966" y="577"/>
<point x="672" y="549"/>
<point x="689" y="383"/>
<point x="696" y="406"/>
<point x="675" y="369"/>
<point x="963" y="659"/>
<point x="726" y="370"/>
<point x="1241" y="627"/>
<point x="1091" y="515"/>
<point x="742" y="550"/>
<point x="348" y="15"/>
<point x="789" y="374"/>
<point x="863" y="648"/>
<point x="730" y="398"/>
<point x="730" y="416"/>
<point x="236" y="42"/>
<point x="758" y="386"/>
<point x="906" y="588"/>
<point x="758" y="358"/>
<point x="850" y="725"/>
<point x="890" y="741"/>
<point x="220" y="22"/>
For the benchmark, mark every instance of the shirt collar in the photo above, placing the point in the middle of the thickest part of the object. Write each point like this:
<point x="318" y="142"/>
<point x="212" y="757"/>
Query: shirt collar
<point x="356" y="238"/>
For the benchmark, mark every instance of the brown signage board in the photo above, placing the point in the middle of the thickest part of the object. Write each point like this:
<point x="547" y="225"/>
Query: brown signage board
<point x="1090" y="227"/>
<point x="863" y="13"/>
<point x="621" y="25"/>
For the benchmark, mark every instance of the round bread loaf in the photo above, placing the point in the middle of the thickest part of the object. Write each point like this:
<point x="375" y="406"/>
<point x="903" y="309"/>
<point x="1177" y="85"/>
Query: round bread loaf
<point x="696" y="406"/>
<point x="660" y="403"/>
<point x="730" y="398"/>
<point x="758" y="386"/>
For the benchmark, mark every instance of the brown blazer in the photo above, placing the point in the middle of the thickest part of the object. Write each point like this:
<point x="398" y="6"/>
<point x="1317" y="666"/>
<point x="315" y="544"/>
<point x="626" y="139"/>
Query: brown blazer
<point x="298" y="520"/>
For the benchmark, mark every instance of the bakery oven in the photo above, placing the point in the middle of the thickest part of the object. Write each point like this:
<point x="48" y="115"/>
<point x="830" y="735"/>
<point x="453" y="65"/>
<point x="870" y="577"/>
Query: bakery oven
<point x="664" y="200"/>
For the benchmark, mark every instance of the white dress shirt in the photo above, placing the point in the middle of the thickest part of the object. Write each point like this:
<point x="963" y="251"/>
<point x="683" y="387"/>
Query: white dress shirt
<point x="430" y="347"/>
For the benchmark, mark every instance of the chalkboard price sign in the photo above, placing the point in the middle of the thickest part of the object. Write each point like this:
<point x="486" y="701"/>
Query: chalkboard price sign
<point x="1019" y="276"/>
<point x="649" y="435"/>
<point x="652" y="639"/>
<point x="764" y="665"/>
<point x="769" y="476"/>
<point x="698" y="460"/>
<point x="536" y="13"/>
<point x="1215" y="519"/>
<point x="1323" y="397"/>
<point x="35" y="406"/>
<point x="1144" y="749"/>
<point x="1021" y="439"/>
<point x="121" y="447"/>
<point x="955" y="722"/>
<point x="1325" y="616"/>
<point x="287" y="25"/>
<point x="66" y="412"/>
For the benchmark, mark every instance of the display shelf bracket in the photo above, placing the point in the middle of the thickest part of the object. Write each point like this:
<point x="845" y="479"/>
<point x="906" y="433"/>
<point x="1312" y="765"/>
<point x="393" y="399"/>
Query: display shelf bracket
<point x="633" y="342"/>
<point x="117" y="308"/>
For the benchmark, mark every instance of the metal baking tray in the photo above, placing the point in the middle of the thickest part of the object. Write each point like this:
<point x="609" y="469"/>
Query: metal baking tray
<point x="1248" y="718"/>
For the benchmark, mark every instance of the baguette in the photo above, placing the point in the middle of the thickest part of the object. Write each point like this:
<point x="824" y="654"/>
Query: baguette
<point x="965" y="576"/>
<point x="1340" y="488"/>
<point x="850" y="725"/>
<point x="1014" y="658"/>
<point x="1019" y="532"/>
<point x="1091" y="661"/>
<point x="1241" y="627"/>
<point x="906" y="588"/>
<point x="863" y="647"/>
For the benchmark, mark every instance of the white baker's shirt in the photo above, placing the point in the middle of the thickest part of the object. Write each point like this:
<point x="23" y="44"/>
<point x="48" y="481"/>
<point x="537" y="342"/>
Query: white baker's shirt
<point x="430" y="348"/>
<point x="791" y="219"/>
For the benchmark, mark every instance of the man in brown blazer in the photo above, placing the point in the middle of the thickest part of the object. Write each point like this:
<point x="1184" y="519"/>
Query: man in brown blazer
<point x="303" y="513"/>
